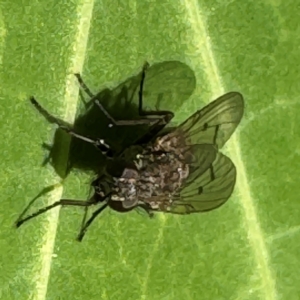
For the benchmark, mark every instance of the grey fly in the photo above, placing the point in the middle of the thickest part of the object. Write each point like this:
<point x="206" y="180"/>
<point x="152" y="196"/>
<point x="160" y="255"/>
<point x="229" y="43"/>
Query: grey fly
<point x="177" y="170"/>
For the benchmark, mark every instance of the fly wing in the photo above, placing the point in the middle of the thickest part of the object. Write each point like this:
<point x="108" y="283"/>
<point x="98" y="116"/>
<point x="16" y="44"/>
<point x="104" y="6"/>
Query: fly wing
<point x="208" y="190"/>
<point x="199" y="159"/>
<point x="215" y="123"/>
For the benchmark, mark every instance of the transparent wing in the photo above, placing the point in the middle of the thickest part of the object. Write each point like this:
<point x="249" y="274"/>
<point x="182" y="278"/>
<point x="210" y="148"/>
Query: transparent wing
<point x="215" y="123"/>
<point x="204" y="191"/>
<point x="199" y="158"/>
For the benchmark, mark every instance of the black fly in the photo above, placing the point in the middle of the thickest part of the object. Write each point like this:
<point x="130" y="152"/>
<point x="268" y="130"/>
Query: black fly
<point x="176" y="170"/>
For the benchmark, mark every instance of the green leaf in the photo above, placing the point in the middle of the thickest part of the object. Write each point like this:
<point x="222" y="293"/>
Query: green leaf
<point x="246" y="249"/>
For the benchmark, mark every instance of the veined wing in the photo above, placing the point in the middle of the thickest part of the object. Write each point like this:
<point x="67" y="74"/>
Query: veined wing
<point x="204" y="191"/>
<point x="213" y="124"/>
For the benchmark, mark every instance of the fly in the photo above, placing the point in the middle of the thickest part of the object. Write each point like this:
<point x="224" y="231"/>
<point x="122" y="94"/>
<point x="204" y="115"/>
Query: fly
<point x="177" y="170"/>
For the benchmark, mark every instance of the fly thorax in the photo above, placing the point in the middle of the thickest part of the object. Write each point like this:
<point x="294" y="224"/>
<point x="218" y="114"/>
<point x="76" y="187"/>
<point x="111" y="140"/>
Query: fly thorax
<point x="162" y="176"/>
<point x="125" y="188"/>
<point x="131" y="153"/>
<point x="170" y="142"/>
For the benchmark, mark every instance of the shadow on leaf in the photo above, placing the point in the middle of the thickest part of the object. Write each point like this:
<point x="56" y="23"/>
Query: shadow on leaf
<point x="167" y="85"/>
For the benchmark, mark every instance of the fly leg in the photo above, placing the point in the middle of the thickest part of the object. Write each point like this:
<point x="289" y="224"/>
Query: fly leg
<point x="155" y="119"/>
<point x="162" y="117"/>
<point x="69" y="202"/>
<point x="84" y="86"/>
<point x="98" y="143"/>
<point x="62" y="202"/>
<point x="45" y="191"/>
<point x="85" y="224"/>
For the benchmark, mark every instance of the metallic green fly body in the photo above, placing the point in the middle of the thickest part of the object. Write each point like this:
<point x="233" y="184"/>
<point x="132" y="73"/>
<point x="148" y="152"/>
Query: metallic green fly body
<point x="175" y="170"/>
